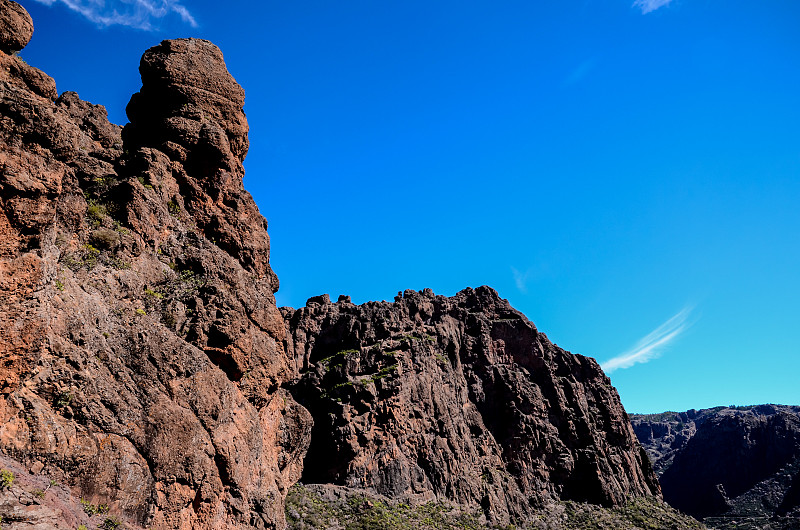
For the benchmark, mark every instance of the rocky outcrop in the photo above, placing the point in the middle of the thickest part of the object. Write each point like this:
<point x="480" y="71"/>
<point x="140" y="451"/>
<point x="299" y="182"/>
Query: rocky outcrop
<point x="458" y="399"/>
<point x="142" y="353"/>
<point x="145" y="368"/>
<point x="16" y="27"/>
<point x="732" y="466"/>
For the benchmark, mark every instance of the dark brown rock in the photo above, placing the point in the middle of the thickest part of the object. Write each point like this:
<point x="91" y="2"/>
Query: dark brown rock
<point x="732" y="466"/>
<point x="16" y="27"/>
<point x="458" y="399"/>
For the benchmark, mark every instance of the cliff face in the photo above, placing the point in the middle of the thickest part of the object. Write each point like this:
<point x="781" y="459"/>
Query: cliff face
<point x="142" y="352"/>
<point x="460" y="399"/>
<point x="144" y="364"/>
<point x="730" y="466"/>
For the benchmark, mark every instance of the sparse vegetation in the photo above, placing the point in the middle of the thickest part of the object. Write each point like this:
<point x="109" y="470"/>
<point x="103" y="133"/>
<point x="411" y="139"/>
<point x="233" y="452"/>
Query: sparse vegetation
<point x="93" y="509"/>
<point x="174" y="208"/>
<point x="352" y="510"/>
<point x="59" y="285"/>
<point x="110" y="523"/>
<point x="140" y="311"/>
<point x="6" y="479"/>
<point x="96" y="211"/>
<point x="63" y="400"/>
<point x="105" y="238"/>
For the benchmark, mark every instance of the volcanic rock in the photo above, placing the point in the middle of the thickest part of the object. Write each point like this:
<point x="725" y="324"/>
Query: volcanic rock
<point x="458" y="399"/>
<point x="16" y="27"/>
<point x="145" y="367"/>
<point x="142" y="351"/>
<point x="731" y="466"/>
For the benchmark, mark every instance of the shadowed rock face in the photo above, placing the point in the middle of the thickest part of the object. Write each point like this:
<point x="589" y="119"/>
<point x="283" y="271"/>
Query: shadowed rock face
<point x="142" y="352"/>
<point x="458" y="399"/>
<point x="731" y="466"/>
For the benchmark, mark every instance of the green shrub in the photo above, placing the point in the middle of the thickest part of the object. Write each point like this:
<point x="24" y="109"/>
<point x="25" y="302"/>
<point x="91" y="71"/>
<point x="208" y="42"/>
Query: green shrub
<point x="105" y="238"/>
<point x="154" y="294"/>
<point x="174" y="208"/>
<point x="96" y="211"/>
<point x="64" y="399"/>
<point x="93" y="509"/>
<point x="6" y="479"/>
<point x="110" y="523"/>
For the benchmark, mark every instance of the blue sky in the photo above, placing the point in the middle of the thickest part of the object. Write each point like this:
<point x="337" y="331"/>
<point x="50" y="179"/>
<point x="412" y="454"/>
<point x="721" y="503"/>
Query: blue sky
<point x="626" y="173"/>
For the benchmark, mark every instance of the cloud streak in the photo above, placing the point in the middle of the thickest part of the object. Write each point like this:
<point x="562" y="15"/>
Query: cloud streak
<point x="521" y="279"/>
<point x="651" y="346"/>
<point x="650" y="5"/>
<point x="139" y="14"/>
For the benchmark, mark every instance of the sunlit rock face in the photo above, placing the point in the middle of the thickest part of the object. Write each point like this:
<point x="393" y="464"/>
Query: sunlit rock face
<point x="142" y="353"/>
<point x="144" y="365"/>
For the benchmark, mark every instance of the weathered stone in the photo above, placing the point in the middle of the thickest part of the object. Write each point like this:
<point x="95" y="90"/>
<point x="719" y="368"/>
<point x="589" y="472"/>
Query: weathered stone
<point x="16" y="27"/>
<point x="731" y="466"/>
<point x="458" y="399"/>
<point x="142" y="350"/>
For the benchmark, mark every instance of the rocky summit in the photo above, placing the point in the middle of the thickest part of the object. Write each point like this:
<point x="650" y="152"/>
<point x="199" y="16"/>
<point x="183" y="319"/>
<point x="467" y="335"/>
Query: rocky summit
<point x="733" y="467"/>
<point x="459" y="398"/>
<point x="147" y="378"/>
<point x="143" y="354"/>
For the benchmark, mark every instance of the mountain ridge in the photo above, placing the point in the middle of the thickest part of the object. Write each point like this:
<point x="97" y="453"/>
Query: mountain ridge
<point x="148" y="372"/>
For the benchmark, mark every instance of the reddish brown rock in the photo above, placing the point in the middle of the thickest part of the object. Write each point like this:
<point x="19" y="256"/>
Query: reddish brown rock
<point x="459" y="399"/>
<point x="16" y="27"/>
<point x="144" y="364"/>
<point x="142" y="352"/>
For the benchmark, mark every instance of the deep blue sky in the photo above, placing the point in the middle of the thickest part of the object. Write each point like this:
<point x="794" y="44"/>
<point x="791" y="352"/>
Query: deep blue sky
<point x="610" y="172"/>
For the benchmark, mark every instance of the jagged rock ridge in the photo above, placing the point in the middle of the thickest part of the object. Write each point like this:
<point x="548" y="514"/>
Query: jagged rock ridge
<point x="461" y="399"/>
<point x="146" y="367"/>
<point x="142" y="349"/>
<point x="734" y="467"/>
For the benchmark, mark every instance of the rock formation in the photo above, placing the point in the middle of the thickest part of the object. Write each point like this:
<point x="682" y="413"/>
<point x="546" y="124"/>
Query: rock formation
<point x="460" y="399"/>
<point x="732" y="466"/>
<point x="145" y="368"/>
<point x="142" y="351"/>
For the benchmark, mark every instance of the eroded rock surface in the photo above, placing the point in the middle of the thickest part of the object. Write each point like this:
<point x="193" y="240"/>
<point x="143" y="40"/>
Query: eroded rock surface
<point x="458" y="399"/>
<point x="16" y="27"/>
<point x="142" y="352"/>
<point x="735" y="467"/>
<point x="145" y="367"/>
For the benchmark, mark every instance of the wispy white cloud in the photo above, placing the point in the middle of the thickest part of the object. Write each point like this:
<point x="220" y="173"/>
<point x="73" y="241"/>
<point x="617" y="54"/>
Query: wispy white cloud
<point x="651" y="346"/>
<point x="650" y="5"/>
<point x="140" y="14"/>
<point x="521" y="279"/>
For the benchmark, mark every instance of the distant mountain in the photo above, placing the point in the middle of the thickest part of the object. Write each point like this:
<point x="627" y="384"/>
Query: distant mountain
<point x="732" y="467"/>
